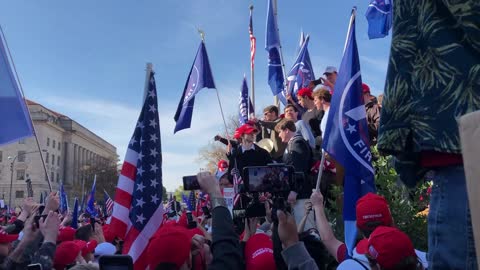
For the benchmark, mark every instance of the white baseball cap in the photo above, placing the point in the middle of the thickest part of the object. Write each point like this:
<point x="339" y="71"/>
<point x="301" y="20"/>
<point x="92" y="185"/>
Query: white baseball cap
<point x="330" y="69"/>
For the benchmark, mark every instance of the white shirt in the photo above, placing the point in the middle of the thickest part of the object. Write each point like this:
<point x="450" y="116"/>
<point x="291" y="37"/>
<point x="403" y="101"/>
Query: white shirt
<point x="246" y="149"/>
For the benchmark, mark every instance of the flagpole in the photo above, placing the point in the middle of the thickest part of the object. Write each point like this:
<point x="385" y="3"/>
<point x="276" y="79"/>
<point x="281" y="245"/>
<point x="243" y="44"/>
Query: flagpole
<point x="320" y="172"/>
<point x="202" y="36"/>
<point x="26" y="105"/>
<point x="276" y="100"/>
<point x="147" y="79"/>
<point x="252" y="70"/>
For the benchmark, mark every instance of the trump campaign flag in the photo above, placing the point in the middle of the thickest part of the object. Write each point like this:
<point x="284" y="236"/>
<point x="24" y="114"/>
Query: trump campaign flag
<point x="302" y="71"/>
<point x="272" y="45"/>
<point x="91" y="200"/>
<point x="244" y="103"/>
<point x="200" y="76"/>
<point x="63" y="200"/>
<point x="346" y="134"/>
<point x="75" y="214"/>
<point x="380" y="18"/>
<point x="15" y="121"/>
<point x="138" y="210"/>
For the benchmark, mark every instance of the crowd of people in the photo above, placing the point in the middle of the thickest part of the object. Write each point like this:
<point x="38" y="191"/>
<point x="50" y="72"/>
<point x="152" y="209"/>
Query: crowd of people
<point x="415" y="122"/>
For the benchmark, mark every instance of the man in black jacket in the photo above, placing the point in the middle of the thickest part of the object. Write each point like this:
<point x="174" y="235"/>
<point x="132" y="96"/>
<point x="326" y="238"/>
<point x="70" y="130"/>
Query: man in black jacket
<point x="247" y="153"/>
<point x="299" y="155"/>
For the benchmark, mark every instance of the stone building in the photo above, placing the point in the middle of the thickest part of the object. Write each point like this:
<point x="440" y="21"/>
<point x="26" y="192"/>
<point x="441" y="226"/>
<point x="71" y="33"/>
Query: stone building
<point x="71" y="153"/>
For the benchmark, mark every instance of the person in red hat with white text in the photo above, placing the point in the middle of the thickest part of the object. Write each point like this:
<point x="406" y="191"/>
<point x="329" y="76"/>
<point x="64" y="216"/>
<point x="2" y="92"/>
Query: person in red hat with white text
<point x="389" y="248"/>
<point x="372" y="211"/>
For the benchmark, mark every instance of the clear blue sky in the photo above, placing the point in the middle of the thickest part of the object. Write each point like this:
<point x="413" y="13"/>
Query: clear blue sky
<point x="86" y="59"/>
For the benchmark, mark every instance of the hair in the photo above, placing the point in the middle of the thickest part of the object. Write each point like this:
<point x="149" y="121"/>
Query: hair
<point x="370" y="226"/>
<point x="285" y="124"/>
<point x="271" y="108"/>
<point x="84" y="233"/>
<point x="290" y="106"/>
<point x="407" y="263"/>
<point x="315" y="248"/>
<point x="323" y="94"/>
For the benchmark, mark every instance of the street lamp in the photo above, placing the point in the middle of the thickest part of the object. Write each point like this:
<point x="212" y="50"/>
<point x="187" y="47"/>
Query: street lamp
<point x="11" y="173"/>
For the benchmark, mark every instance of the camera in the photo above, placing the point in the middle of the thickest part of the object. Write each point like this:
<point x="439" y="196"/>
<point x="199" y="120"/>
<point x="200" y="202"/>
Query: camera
<point x="190" y="182"/>
<point x="253" y="209"/>
<point x="274" y="178"/>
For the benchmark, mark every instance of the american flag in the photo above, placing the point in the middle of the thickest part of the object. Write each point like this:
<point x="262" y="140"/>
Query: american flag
<point x="138" y="210"/>
<point x="108" y="204"/>
<point x="253" y="41"/>
<point x="237" y="181"/>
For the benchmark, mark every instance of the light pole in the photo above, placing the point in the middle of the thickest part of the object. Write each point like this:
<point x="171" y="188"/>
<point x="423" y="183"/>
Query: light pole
<point x="11" y="174"/>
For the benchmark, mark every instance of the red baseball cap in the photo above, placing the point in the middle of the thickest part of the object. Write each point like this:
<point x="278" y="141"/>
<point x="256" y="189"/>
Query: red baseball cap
<point x="372" y="211"/>
<point x="245" y="129"/>
<point x="86" y="247"/>
<point x="389" y="246"/>
<point x="365" y="88"/>
<point x="171" y="244"/>
<point x="222" y="165"/>
<point x="108" y="233"/>
<point x="305" y="92"/>
<point x="7" y="238"/>
<point x="65" y="254"/>
<point x="66" y="234"/>
<point x="259" y="253"/>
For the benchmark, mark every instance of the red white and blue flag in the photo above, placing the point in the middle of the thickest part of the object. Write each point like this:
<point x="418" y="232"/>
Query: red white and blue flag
<point x="138" y="209"/>
<point x="253" y="42"/>
<point x="108" y="204"/>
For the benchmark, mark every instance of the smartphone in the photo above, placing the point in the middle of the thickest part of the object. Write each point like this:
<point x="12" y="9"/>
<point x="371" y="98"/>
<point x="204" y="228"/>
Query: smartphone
<point x="273" y="179"/>
<point x="36" y="219"/>
<point x="206" y="212"/>
<point x="191" y="224"/>
<point x="34" y="266"/>
<point x="190" y="182"/>
<point x="115" y="262"/>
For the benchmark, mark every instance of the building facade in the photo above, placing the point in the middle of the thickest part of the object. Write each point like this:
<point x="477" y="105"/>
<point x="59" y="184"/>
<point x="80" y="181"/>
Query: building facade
<point x="72" y="154"/>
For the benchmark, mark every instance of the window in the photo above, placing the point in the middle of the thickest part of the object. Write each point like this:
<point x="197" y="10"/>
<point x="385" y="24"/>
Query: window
<point x="46" y="158"/>
<point x="58" y="178"/>
<point x="1" y="156"/>
<point x="48" y="141"/>
<point x="52" y="174"/>
<point x="59" y="145"/>
<point x="20" y="174"/>
<point x="21" y="156"/>
<point x="53" y="159"/>
<point x="19" y="194"/>
<point x="58" y="161"/>
<point x="22" y="141"/>
<point x="53" y="144"/>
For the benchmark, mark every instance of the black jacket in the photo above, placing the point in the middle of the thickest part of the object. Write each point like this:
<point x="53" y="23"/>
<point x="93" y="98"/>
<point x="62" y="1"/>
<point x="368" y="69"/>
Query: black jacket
<point x="225" y="245"/>
<point x="256" y="157"/>
<point x="299" y="155"/>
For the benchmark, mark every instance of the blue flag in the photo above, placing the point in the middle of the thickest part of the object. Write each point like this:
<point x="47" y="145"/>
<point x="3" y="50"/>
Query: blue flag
<point x="200" y="76"/>
<point x="272" y="45"/>
<point x="82" y="205"/>
<point x="184" y="199"/>
<point x="63" y="200"/>
<point x="75" y="214"/>
<point x="191" y="201"/>
<point x="302" y="71"/>
<point x="244" y="103"/>
<point x="14" y="120"/>
<point x="346" y="134"/>
<point x="91" y="200"/>
<point x="380" y="18"/>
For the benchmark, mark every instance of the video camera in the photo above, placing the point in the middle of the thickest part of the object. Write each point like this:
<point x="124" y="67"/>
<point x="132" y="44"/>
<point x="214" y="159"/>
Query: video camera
<point x="275" y="179"/>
